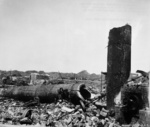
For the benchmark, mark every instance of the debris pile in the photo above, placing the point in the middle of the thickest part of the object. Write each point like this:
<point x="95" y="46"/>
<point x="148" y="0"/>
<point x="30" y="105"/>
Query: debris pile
<point x="59" y="114"/>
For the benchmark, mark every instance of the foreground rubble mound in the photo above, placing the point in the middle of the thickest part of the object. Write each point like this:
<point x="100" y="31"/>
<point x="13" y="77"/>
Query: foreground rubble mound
<point x="59" y="114"/>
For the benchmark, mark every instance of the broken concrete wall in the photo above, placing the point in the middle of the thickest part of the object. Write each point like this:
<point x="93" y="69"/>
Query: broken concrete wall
<point x="118" y="61"/>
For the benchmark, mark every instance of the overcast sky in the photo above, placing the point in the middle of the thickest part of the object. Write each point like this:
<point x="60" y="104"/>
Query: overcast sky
<point x="70" y="35"/>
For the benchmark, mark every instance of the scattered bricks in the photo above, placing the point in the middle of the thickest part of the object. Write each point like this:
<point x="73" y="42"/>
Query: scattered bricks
<point x="27" y="113"/>
<point x="35" y="117"/>
<point x="104" y="112"/>
<point x="111" y="125"/>
<point x="62" y="114"/>
<point x="66" y="109"/>
<point x="26" y="121"/>
<point x="100" y="105"/>
<point x="126" y="125"/>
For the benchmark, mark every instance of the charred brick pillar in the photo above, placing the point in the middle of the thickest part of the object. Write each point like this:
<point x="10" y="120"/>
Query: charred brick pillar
<point x="118" y="61"/>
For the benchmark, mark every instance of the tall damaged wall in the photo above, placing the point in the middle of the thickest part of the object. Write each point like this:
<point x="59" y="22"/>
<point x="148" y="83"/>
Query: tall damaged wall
<point x="118" y="61"/>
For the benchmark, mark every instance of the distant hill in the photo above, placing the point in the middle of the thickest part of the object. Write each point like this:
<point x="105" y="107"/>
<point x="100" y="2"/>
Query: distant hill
<point x="94" y="77"/>
<point x="84" y="75"/>
<point x="84" y="72"/>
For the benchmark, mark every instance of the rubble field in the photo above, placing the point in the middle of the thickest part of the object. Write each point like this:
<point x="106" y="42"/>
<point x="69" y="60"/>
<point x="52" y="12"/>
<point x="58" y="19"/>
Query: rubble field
<point x="59" y="114"/>
<point x="62" y="113"/>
